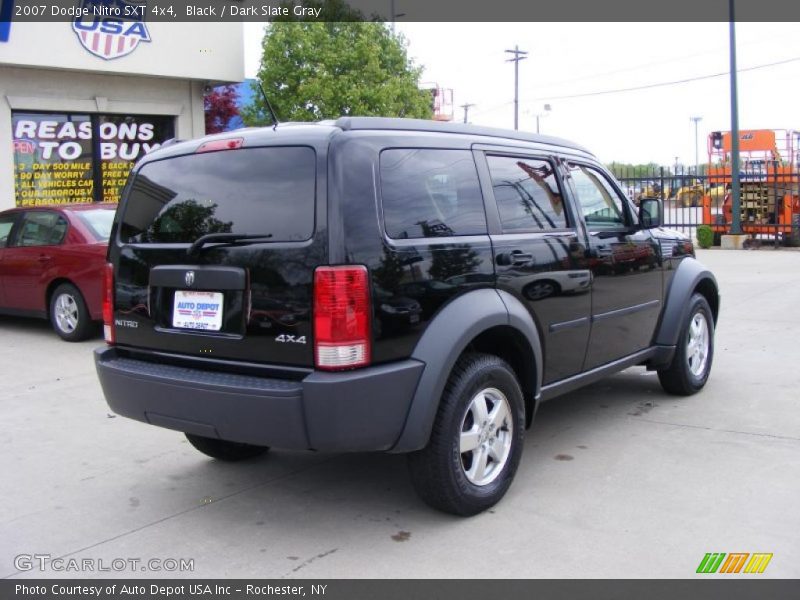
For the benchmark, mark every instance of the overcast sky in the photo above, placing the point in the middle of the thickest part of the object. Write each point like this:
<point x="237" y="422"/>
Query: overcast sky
<point x="568" y="59"/>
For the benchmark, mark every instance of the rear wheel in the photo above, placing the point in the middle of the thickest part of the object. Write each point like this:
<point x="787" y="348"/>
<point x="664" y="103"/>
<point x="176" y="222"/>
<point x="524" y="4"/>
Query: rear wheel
<point x="225" y="450"/>
<point x="688" y="372"/>
<point x="477" y="438"/>
<point x="69" y="315"/>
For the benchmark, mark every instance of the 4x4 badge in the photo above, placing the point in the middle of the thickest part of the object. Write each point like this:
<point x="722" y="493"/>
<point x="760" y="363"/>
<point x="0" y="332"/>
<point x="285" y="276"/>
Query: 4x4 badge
<point x="189" y="278"/>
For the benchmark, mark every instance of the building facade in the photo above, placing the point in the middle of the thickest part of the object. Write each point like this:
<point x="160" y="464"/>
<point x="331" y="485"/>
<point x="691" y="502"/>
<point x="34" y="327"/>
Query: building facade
<point x="80" y="101"/>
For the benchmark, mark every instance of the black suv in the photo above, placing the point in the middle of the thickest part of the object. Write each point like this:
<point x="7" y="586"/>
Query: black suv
<point x="393" y="285"/>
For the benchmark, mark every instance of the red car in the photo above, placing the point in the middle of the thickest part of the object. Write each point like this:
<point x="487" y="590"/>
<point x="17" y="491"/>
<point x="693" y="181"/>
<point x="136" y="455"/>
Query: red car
<point x="51" y="265"/>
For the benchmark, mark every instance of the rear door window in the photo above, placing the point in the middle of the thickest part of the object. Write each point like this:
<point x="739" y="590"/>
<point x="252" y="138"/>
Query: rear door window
<point x="267" y="191"/>
<point x="431" y="193"/>
<point x="42" y="228"/>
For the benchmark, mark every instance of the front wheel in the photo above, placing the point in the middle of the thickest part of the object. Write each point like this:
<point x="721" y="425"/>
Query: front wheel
<point x="477" y="438"/>
<point x="691" y="365"/>
<point x="69" y="315"/>
<point x="225" y="450"/>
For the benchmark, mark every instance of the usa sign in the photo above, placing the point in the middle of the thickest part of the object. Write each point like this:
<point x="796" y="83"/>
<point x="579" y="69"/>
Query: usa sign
<point x="111" y="29"/>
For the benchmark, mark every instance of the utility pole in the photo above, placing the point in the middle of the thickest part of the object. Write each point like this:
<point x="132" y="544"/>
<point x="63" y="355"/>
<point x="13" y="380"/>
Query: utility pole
<point x="736" y="200"/>
<point x="518" y="56"/>
<point x="466" y="108"/>
<point x="696" y="151"/>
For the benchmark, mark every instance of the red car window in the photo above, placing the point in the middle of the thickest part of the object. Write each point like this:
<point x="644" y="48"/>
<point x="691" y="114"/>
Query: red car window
<point x="42" y="228"/>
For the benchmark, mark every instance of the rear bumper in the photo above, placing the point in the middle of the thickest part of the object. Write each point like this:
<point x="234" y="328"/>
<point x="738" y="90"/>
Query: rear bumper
<point x="362" y="410"/>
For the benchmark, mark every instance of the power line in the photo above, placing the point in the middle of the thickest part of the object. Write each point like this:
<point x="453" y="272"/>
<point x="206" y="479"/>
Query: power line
<point x="639" y="67"/>
<point x="665" y="83"/>
<point x="495" y="107"/>
<point x="647" y="65"/>
<point x="492" y="108"/>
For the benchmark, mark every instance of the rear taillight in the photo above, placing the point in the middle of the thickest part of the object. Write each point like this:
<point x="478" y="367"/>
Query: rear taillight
<point x="108" y="303"/>
<point x="342" y="316"/>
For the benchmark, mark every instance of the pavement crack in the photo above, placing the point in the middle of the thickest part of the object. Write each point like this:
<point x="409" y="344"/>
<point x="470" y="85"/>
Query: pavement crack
<point x="307" y="562"/>
<point x="767" y="435"/>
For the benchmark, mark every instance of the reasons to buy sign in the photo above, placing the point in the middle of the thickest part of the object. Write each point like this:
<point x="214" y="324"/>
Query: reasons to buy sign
<point x="61" y="159"/>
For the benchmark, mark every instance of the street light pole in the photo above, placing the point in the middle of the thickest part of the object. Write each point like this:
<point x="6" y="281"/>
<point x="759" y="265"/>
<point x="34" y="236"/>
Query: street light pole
<point x="547" y="109"/>
<point x="466" y="108"/>
<point x="736" y="200"/>
<point x="696" y="151"/>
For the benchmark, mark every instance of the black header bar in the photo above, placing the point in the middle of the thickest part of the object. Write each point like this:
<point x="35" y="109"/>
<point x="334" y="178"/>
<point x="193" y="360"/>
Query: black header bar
<point x="406" y="10"/>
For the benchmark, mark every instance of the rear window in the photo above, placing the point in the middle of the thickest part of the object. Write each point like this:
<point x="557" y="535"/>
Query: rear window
<point x="431" y="193"/>
<point x="98" y="221"/>
<point x="267" y="191"/>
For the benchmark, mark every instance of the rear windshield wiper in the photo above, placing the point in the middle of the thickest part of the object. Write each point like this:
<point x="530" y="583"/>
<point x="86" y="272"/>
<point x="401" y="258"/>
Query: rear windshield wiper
<point x="226" y="238"/>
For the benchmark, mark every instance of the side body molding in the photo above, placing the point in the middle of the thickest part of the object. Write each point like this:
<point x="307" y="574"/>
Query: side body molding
<point x="444" y="340"/>
<point x="689" y="275"/>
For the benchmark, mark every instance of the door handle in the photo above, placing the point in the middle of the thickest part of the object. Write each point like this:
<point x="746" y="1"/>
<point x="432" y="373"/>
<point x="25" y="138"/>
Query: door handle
<point x="44" y="258"/>
<point x="515" y="257"/>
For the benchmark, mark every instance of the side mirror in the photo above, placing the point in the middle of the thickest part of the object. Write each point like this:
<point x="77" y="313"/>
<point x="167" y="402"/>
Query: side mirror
<point x="650" y="213"/>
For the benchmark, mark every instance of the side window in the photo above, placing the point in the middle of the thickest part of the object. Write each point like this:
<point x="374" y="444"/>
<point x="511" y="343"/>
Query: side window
<point x="6" y="224"/>
<point x="527" y="194"/>
<point x="431" y="193"/>
<point x="42" y="228"/>
<point x="601" y="206"/>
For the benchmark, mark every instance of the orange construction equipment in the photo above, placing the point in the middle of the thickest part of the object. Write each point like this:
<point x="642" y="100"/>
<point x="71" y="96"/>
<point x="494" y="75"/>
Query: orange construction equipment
<point x="441" y="101"/>
<point x="769" y="178"/>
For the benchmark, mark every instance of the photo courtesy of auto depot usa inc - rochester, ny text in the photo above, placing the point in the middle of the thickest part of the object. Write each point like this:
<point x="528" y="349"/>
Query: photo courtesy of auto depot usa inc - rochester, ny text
<point x="163" y="591"/>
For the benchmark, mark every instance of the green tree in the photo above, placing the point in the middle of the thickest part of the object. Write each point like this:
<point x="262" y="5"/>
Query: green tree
<point x="186" y="220"/>
<point x="334" y="66"/>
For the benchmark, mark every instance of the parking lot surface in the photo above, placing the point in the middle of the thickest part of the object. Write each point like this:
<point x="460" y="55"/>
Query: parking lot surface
<point x="617" y="480"/>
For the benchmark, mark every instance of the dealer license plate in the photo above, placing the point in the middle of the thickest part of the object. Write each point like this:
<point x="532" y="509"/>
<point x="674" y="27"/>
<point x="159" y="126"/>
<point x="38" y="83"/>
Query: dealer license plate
<point x="197" y="310"/>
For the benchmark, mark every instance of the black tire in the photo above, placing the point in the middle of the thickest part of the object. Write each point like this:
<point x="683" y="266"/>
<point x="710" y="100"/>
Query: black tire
<point x="69" y="315"/>
<point x="685" y="375"/>
<point x="224" y="450"/>
<point x="439" y="472"/>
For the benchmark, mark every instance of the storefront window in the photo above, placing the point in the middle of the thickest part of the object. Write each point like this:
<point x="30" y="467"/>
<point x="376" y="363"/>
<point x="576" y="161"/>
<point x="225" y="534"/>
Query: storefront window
<point x="53" y="159"/>
<point x="123" y="140"/>
<point x="69" y="158"/>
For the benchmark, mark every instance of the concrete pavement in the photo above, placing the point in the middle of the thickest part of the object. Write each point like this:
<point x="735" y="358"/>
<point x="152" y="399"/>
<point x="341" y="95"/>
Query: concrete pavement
<point x="617" y="480"/>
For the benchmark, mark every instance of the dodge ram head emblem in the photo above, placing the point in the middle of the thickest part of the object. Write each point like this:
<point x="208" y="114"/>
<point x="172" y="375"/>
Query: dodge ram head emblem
<point x="189" y="278"/>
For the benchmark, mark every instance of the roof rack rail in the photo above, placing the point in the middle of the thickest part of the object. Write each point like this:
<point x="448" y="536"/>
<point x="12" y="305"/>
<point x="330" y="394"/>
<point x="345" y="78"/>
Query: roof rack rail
<point x="400" y="124"/>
